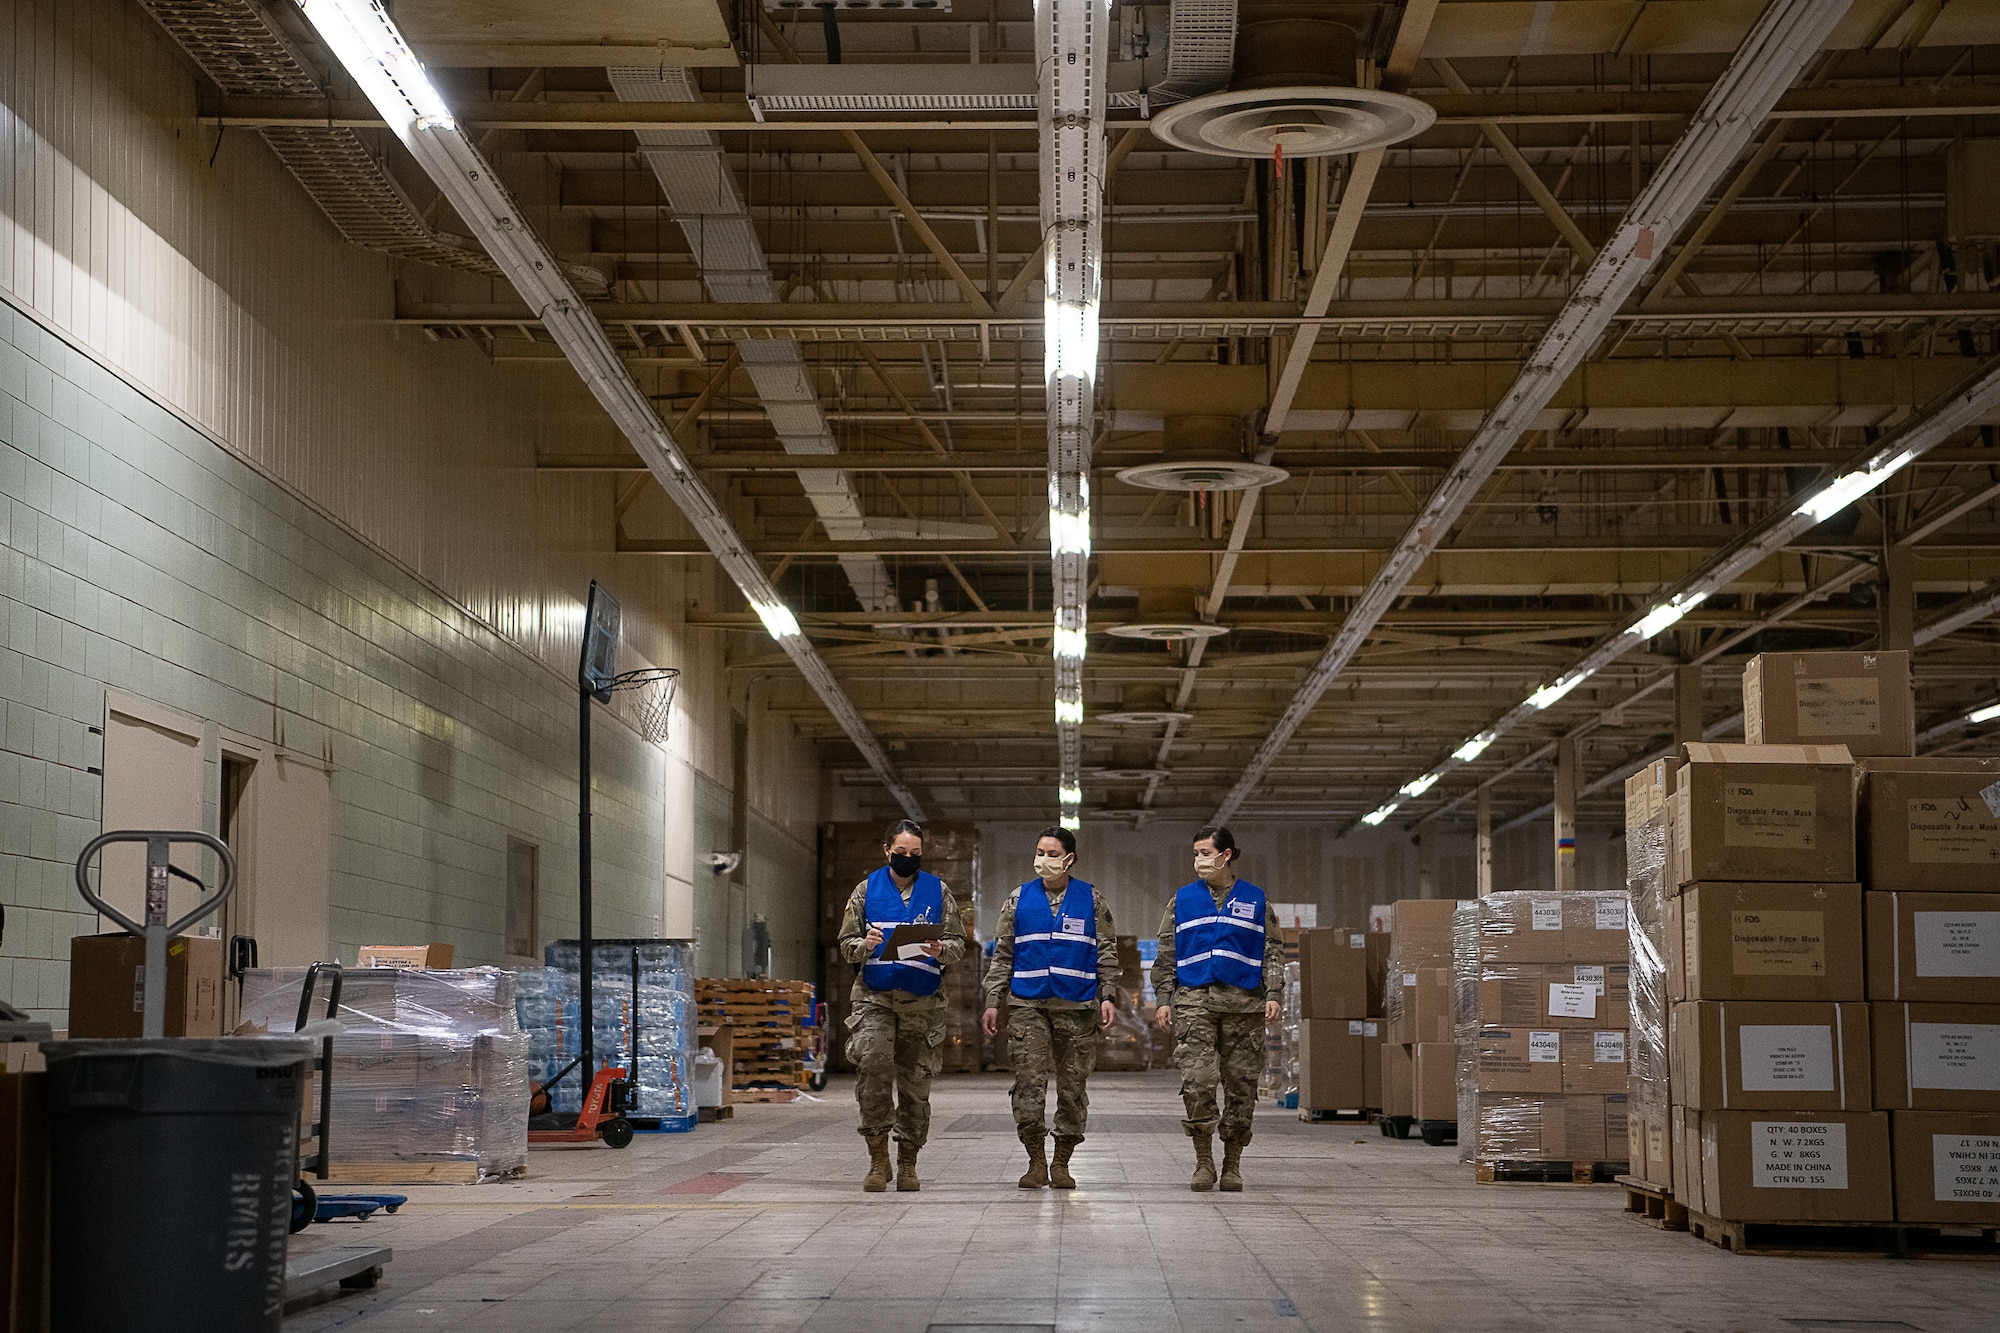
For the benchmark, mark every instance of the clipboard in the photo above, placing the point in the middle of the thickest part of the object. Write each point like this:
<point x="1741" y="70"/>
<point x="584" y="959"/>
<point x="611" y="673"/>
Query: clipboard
<point x="907" y="941"/>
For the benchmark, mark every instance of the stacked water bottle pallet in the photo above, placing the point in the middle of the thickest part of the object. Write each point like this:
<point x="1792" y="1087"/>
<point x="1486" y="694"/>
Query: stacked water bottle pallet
<point x="769" y="1020"/>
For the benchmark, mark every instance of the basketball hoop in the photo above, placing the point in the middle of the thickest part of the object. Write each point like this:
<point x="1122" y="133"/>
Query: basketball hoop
<point x="652" y="690"/>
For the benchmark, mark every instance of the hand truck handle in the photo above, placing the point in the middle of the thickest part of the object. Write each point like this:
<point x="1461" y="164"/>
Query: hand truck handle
<point x="158" y="840"/>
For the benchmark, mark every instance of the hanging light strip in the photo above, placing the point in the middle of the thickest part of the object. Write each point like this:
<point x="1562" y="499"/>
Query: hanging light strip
<point x="1071" y="38"/>
<point x="1955" y="410"/>
<point x="1763" y="67"/>
<point x="368" y="45"/>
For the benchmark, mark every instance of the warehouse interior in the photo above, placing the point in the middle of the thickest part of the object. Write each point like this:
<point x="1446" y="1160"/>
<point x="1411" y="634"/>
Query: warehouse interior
<point x="1444" y="442"/>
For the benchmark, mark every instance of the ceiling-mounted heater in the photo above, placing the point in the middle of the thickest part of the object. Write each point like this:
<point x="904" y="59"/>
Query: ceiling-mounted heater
<point x="1287" y="98"/>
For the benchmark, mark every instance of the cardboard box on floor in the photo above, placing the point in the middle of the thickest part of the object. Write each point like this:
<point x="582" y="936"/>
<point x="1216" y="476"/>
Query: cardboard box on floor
<point x="1333" y="973"/>
<point x="107" y="986"/>
<point x="1771" y="942"/>
<point x="1594" y="1060"/>
<point x="1553" y="1128"/>
<point x="1823" y="1166"/>
<point x="1424" y="1012"/>
<point x="1422" y="932"/>
<point x="1775" y="813"/>
<point x="1860" y="700"/>
<point x="1936" y="1057"/>
<point x="1398" y="1079"/>
<point x="1764" y="1056"/>
<point x="1435" y="1066"/>
<point x="1340" y="1064"/>
<point x="1930" y="825"/>
<point x="1517" y="1060"/>
<point x="1554" y="928"/>
<point x="1947" y="1166"/>
<point x="1649" y="1134"/>
<point x="1941" y="947"/>
<point x="1555" y="995"/>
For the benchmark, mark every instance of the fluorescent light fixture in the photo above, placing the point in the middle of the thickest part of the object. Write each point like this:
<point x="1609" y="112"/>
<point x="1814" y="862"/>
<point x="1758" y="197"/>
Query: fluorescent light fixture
<point x="1846" y="489"/>
<point x="1667" y="614"/>
<point x="1473" y="748"/>
<point x="1069" y="534"/>
<point x="1069" y="643"/>
<point x="1376" y="816"/>
<point x="1070" y="795"/>
<point x="379" y="61"/>
<point x="1418" y="786"/>
<point x="1986" y="714"/>
<point x="1548" y="695"/>
<point x="1071" y="822"/>
<point x="1069" y="339"/>
<point x="1069" y="711"/>
<point x="777" y="618"/>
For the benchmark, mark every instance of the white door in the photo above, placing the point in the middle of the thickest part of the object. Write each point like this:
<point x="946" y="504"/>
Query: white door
<point x="152" y="780"/>
<point x="286" y="850"/>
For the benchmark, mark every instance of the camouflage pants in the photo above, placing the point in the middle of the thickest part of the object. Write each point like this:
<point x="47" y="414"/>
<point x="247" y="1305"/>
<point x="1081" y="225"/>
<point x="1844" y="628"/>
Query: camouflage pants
<point x="899" y="1052"/>
<point x="1218" y="1048"/>
<point x="1041" y="1042"/>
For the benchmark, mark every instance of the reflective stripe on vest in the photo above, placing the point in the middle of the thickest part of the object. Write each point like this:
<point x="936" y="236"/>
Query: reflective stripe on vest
<point x="1055" y="955"/>
<point x="888" y="910"/>
<point x="1219" y="946"/>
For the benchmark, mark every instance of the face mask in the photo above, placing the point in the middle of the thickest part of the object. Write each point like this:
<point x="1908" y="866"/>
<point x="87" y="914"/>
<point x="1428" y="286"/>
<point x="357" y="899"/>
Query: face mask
<point x="1049" y="868"/>
<point x="906" y="864"/>
<point x="1206" y="864"/>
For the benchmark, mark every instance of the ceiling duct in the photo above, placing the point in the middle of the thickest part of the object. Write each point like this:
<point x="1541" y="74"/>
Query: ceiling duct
<point x="1202" y="453"/>
<point x="1292" y="94"/>
<point x="233" y="43"/>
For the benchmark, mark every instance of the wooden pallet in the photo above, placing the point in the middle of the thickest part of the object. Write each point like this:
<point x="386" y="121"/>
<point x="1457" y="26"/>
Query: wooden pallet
<point x="404" y="1173"/>
<point x="1322" y="1115"/>
<point x="1903" y="1240"/>
<point x="1549" y="1173"/>
<point x="763" y="1094"/>
<point x="710" y="1114"/>
<point x="1653" y="1205"/>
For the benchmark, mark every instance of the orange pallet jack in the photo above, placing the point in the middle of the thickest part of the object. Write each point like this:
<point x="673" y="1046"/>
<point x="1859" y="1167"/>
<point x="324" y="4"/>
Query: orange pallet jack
<point x="602" y="1116"/>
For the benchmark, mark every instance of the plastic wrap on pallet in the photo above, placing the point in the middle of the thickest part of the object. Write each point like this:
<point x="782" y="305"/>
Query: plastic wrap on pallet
<point x="642" y="1019"/>
<point x="1279" y="1082"/>
<point x="1465" y="1021"/>
<point x="430" y="1069"/>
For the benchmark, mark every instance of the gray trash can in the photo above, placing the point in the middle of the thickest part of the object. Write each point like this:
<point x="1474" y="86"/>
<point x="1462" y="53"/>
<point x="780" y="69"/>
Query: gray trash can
<point x="171" y="1165"/>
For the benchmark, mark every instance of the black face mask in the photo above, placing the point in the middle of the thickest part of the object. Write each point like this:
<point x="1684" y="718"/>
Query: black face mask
<point x="906" y="864"/>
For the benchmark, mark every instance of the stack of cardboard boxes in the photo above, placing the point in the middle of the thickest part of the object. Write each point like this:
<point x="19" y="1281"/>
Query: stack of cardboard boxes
<point x="1543" y="1068"/>
<point x="1419" y="1058"/>
<point x="1833" y="1037"/>
<point x="1648" y="848"/>
<point x="1340" y="1027"/>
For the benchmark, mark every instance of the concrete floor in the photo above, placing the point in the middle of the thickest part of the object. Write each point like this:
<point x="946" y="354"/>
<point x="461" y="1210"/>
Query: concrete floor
<point x="761" y="1224"/>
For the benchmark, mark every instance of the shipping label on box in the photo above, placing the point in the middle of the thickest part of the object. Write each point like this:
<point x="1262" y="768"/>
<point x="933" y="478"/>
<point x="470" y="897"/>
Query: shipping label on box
<point x="1787" y="1057"/>
<point x="1959" y="1057"/>
<point x="1965" y="1168"/>
<point x="1798" y="1154"/>
<point x="1935" y="947"/>
<point x="1957" y="944"/>
<point x="1572" y="1000"/>
<point x="1778" y="944"/>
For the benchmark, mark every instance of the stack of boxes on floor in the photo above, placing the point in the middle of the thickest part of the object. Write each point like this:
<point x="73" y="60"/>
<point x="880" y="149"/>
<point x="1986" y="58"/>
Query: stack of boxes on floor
<point x="1543" y="1019"/>
<point x="1340" y="1024"/>
<point x="1419" y="1058"/>
<point x="848" y="853"/>
<point x="1833" y="1037"/>
<point x="1126" y="1045"/>
<point x="642" y="1003"/>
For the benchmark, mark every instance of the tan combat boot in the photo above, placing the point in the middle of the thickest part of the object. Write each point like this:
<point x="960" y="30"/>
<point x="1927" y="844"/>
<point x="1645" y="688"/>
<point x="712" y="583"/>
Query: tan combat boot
<point x="1038" y="1165"/>
<point x="1232" y="1168"/>
<point x="1204" y="1165"/>
<point x="1059" y="1175"/>
<point x="906" y="1168"/>
<point x="878" y="1164"/>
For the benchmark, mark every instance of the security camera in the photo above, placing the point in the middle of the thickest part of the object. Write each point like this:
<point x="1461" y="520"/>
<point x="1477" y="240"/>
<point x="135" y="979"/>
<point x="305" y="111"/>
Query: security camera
<point x="722" y="863"/>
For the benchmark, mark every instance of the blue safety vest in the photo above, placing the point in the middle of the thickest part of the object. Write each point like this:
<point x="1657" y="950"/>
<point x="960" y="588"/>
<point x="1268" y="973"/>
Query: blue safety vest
<point x="886" y="911"/>
<point x="1219" y="946"/>
<point x="1055" y="956"/>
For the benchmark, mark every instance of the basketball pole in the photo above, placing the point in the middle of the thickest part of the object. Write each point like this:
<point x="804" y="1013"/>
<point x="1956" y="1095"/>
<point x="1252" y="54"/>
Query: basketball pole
<point x="586" y="1020"/>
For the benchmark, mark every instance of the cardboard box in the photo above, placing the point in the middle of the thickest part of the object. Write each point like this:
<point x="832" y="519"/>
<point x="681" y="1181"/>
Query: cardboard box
<point x="1518" y="1059"/>
<point x="1826" y="1166"/>
<point x="1340" y="1063"/>
<point x="1435" y="1068"/>
<point x="1553" y="1128"/>
<point x="1860" y="700"/>
<point x="1930" y="825"/>
<point x="1555" y="995"/>
<point x="1942" y="947"/>
<point x="1421" y="1006"/>
<point x="1594" y="1060"/>
<point x="1333" y="974"/>
<point x="1648" y="1134"/>
<point x="1684" y="1133"/>
<point x="1936" y="1057"/>
<point x="107" y="986"/>
<point x="1947" y="1166"/>
<point x="1422" y="932"/>
<point x="1764" y="1056"/>
<point x="1399" y="1094"/>
<point x="1377" y="950"/>
<point x="410" y="957"/>
<point x="1771" y="942"/>
<point x="1674" y="928"/>
<point x="720" y="1041"/>
<point x="1554" y="928"/>
<point x="1779" y="813"/>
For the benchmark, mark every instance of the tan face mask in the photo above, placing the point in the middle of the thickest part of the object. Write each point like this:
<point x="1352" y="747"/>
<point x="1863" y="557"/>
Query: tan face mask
<point x="1050" y="868"/>
<point x="1207" y="863"/>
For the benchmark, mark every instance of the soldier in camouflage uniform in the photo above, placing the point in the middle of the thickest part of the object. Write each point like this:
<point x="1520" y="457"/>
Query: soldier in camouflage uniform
<point x="1057" y="982"/>
<point x="896" y="1033"/>
<point x="1225" y="987"/>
